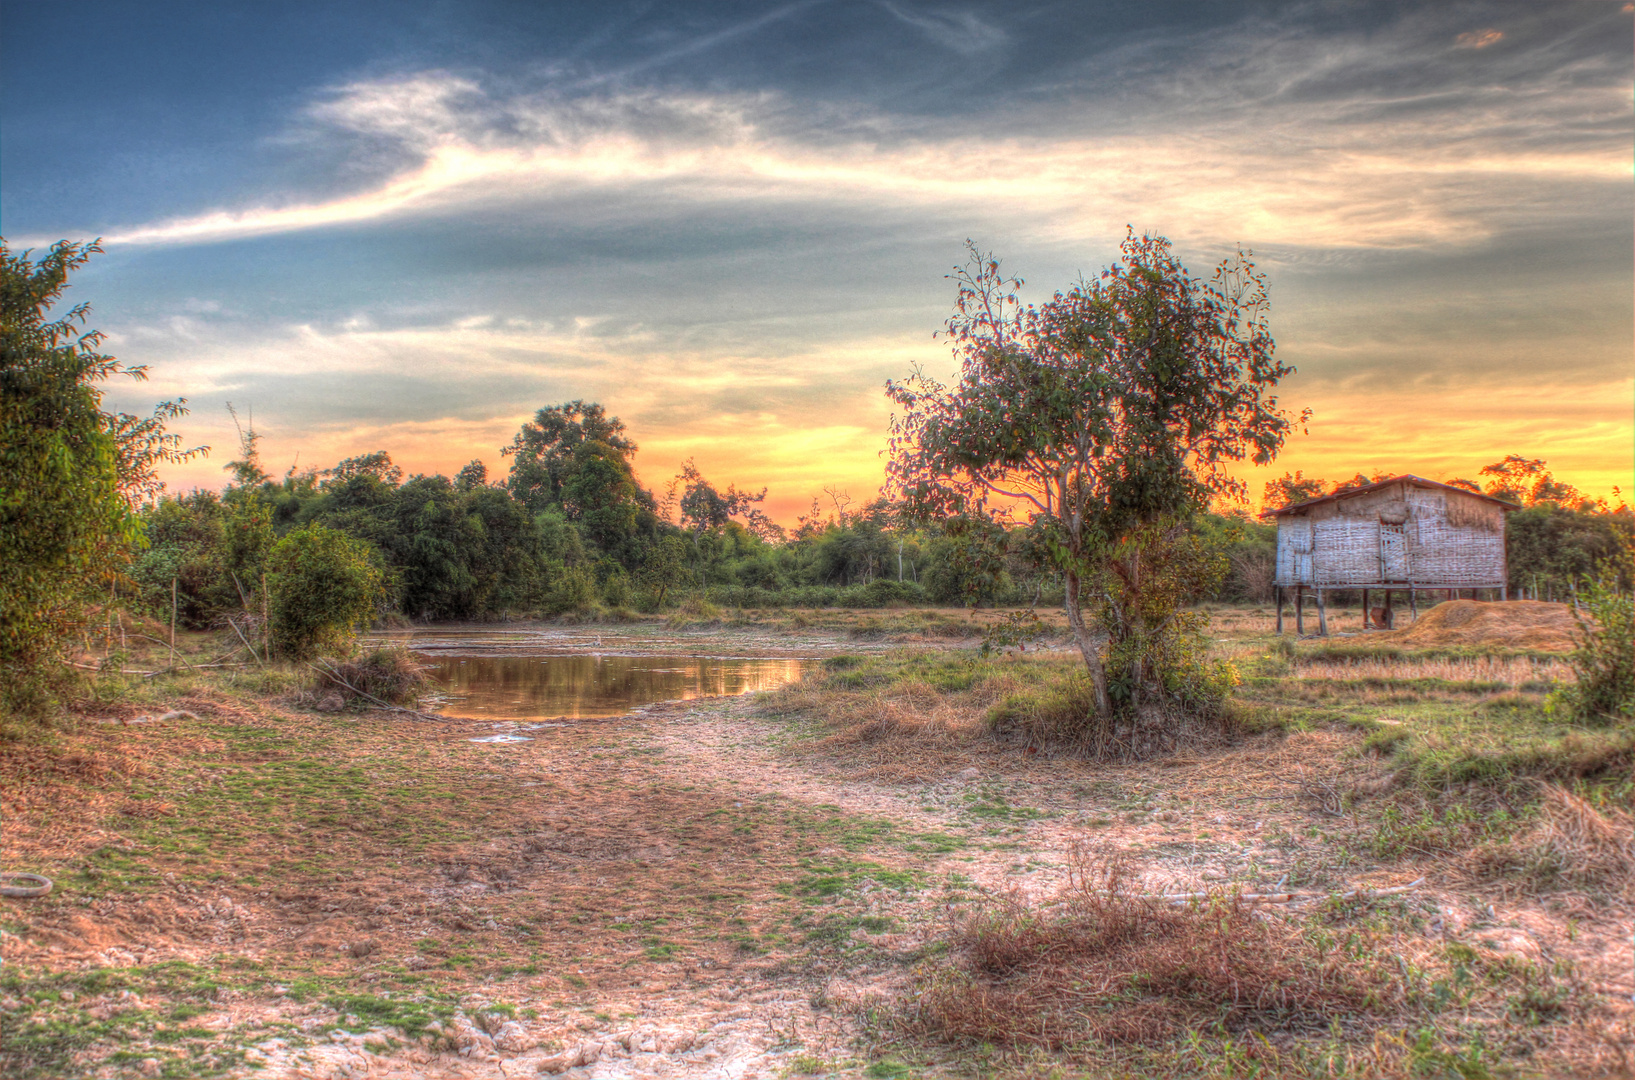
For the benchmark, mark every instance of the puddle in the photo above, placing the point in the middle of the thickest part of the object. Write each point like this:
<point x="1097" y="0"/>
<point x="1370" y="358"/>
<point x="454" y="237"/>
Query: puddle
<point x="502" y="739"/>
<point x="578" y="675"/>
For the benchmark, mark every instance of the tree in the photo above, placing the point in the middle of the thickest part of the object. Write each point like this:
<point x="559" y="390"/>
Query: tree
<point x="542" y="452"/>
<point x="325" y="585"/>
<point x="1106" y="415"/>
<point x="377" y="466"/>
<point x="1527" y="482"/>
<point x="71" y="474"/>
<point x="704" y="509"/>
<point x="1291" y="488"/>
<point x="1604" y="661"/>
<point x="474" y="474"/>
<point x="665" y="569"/>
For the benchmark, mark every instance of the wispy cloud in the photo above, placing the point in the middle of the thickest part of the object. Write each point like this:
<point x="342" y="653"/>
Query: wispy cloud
<point x="1408" y="180"/>
<point x="960" y="31"/>
<point x="1479" y="39"/>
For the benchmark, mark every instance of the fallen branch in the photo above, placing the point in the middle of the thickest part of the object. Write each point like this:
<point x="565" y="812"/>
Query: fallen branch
<point x="99" y="669"/>
<point x="161" y="641"/>
<point x="1284" y="897"/>
<point x="174" y="714"/>
<point x="1323" y="793"/>
<point x="246" y="641"/>
<point x="335" y="675"/>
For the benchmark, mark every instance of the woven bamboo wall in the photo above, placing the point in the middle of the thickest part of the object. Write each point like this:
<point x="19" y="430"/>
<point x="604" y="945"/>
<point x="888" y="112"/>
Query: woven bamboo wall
<point x="1451" y="541"/>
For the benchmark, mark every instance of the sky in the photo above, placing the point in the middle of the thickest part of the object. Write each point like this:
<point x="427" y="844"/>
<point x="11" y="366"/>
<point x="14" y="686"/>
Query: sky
<point x="407" y="225"/>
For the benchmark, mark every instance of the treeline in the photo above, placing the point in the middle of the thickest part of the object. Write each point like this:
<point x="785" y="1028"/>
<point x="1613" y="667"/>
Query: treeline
<point x="570" y="529"/>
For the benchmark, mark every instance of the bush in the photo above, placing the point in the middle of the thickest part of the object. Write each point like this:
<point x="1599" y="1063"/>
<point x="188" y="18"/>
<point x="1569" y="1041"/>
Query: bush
<point x="1605" y="658"/>
<point x="572" y="589"/>
<point x="324" y="586"/>
<point x="1023" y="976"/>
<point x="389" y="674"/>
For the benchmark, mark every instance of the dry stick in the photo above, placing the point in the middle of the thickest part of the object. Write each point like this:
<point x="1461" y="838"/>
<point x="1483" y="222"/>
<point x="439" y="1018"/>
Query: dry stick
<point x="266" y="618"/>
<point x="116" y="671"/>
<point x="333" y="674"/>
<point x="246" y="641"/>
<point x="1287" y="898"/>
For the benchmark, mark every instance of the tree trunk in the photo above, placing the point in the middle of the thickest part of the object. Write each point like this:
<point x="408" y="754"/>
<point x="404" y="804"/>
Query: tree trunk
<point x="1090" y="650"/>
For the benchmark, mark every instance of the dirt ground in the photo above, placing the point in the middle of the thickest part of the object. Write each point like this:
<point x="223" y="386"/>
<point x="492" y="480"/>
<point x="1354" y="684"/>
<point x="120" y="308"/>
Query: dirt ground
<point x="245" y="888"/>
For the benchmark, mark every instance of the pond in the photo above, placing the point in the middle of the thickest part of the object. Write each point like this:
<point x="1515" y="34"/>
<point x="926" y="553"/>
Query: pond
<point x="574" y="674"/>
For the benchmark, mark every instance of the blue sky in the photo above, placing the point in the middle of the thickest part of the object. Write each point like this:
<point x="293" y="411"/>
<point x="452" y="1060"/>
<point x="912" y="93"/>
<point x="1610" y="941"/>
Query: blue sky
<point x="406" y="226"/>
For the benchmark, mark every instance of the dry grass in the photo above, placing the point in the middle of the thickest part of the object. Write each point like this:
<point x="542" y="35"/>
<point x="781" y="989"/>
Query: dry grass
<point x="1573" y="842"/>
<point x="1512" y="671"/>
<point x="1110" y="966"/>
<point x="1517" y="624"/>
<point x="1126" y="985"/>
<point x="903" y="730"/>
<point x="389" y="674"/>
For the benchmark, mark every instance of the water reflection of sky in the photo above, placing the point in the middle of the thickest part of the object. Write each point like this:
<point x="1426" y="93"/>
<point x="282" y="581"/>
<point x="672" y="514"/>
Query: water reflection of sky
<point x="526" y="675"/>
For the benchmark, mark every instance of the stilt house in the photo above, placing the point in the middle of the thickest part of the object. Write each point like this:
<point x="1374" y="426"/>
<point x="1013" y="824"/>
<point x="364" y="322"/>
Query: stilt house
<point x="1405" y="534"/>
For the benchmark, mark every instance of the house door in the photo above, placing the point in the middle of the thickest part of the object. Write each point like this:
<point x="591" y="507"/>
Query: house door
<point x="1299" y="531"/>
<point x="1393" y="553"/>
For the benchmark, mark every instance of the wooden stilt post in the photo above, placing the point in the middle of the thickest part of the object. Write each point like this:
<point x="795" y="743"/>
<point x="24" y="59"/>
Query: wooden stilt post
<point x="266" y="621"/>
<point x="1322" y="615"/>
<point x="1277" y="598"/>
<point x="1365" y="609"/>
<point x="1299" y="611"/>
<point x="1413" y="603"/>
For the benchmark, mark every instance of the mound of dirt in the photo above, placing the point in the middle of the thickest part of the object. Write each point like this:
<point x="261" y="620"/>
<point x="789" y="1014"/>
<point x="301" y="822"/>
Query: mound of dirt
<point x="1516" y="624"/>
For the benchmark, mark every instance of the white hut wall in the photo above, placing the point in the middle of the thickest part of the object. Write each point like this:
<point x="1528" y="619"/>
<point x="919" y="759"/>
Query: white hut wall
<point x="1293" y="550"/>
<point x="1454" y="540"/>
<point x="1341" y="543"/>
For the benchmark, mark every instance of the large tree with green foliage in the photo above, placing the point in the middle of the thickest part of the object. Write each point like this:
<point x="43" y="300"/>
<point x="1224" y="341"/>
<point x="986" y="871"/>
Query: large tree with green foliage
<point x="1106" y="415"/>
<point x="71" y="474"/>
<point x="544" y="453"/>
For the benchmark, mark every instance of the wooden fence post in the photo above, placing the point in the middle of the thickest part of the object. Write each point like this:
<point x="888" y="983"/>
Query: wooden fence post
<point x="266" y="619"/>
<point x="173" y="621"/>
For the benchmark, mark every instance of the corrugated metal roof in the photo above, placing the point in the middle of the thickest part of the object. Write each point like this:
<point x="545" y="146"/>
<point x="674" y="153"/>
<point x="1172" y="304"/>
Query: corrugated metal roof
<point x="1406" y="478"/>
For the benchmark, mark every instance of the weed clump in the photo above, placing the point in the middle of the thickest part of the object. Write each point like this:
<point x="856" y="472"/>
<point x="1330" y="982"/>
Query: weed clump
<point x="389" y="674"/>
<point x="1573" y="843"/>
<point x="1604" y="659"/>
<point x="1062" y="715"/>
<point x="1113" y="967"/>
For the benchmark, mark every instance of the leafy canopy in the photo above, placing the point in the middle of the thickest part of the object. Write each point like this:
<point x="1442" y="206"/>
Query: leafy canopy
<point x="1119" y="400"/>
<point x="71" y="474"/>
<point x="1106" y="415"/>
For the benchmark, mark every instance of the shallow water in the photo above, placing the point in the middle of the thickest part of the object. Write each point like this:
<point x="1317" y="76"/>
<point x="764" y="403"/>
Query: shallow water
<point x="529" y="675"/>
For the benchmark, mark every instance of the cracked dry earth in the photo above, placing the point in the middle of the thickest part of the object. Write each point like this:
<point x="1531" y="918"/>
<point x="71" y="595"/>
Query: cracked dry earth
<point x="690" y="890"/>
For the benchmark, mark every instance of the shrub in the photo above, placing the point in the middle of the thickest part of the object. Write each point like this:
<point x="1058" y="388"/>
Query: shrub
<point x="389" y="674"/>
<point x="324" y="586"/>
<point x="573" y="589"/>
<point x="1107" y="965"/>
<point x="1605" y="658"/>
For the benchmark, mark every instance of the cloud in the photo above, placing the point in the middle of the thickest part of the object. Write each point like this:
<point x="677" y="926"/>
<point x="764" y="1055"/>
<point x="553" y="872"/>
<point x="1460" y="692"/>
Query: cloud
<point x="1478" y="39"/>
<point x="735" y="271"/>
<point x="1369" y="170"/>
<point x="960" y="31"/>
<point x="438" y="395"/>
